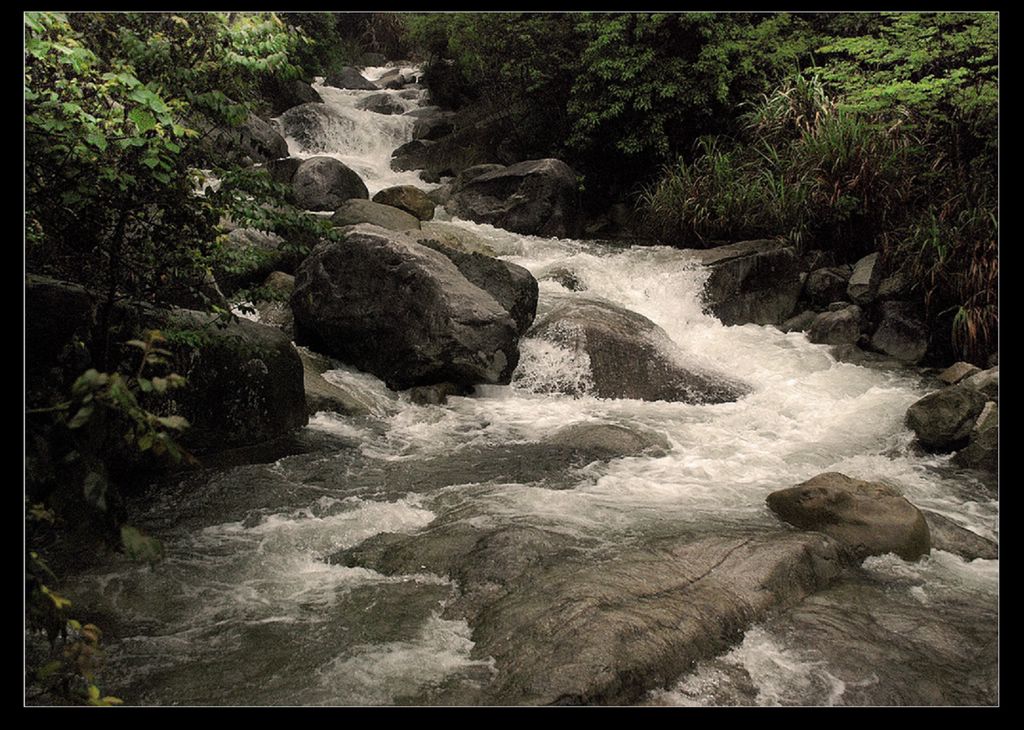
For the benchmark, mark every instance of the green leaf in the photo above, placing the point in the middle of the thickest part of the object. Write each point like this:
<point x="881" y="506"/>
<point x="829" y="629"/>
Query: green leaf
<point x="145" y="385"/>
<point x="160" y="385"/>
<point x="49" y="668"/>
<point x="177" y="423"/>
<point x="82" y="417"/>
<point x="141" y="547"/>
<point x="95" y="489"/>
<point x="143" y="119"/>
<point x="96" y="140"/>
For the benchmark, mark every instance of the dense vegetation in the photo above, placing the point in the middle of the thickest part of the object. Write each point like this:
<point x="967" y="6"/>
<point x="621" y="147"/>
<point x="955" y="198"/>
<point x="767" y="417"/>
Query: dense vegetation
<point x="847" y="132"/>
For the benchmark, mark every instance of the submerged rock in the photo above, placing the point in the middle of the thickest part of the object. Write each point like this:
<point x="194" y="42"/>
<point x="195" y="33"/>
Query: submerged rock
<point x="943" y="420"/>
<point x="537" y="197"/>
<point x="401" y="311"/>
<point x="454" y="237"/>
<point x="629" y="356"/>
<point x="314" y="125"/>
<point x="868" y="518"/>
<point x="322" y="395"/>
<point x="611" y="439"/>
<point x="751" y="281"/>
<point x="324" y="183"/>
<point x="949" y="536"/>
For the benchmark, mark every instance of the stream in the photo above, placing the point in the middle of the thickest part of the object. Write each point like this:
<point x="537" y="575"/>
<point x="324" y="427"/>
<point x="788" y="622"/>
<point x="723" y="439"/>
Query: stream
<point x="248" y="609"/>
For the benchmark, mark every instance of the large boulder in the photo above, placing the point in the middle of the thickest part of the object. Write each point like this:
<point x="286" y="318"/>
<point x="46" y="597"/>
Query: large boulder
<point x="391" y="79"/>
<point x="283" y="95"/>
<point x="868" y="518"/>
<point x="512" y="286"/>
<point x="244" y="382"/>
<point x="751" y="281"/>
<point x="943" y="420"/>
<point x="611" y="439"/>
<point x="537" y="197"/>
<point x="901" y="333"/>
<point x="862" y="288"/>
<point x="381" y="104"/>
<point x="350" y="78"/>
<point x="982" y="450"/>
<point x="628" y="356"/>
<point x="837" y="328"/>
<point x="324" y="183"/>
<point x="356" y="211"/>
<point x="408" y="198"/>
<point x="401" y="311"/>
<point x="315" y="126"/>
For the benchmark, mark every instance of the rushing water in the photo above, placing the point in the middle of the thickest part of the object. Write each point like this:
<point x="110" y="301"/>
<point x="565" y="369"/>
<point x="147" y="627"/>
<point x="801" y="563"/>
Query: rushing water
<point x="245" y="609"/>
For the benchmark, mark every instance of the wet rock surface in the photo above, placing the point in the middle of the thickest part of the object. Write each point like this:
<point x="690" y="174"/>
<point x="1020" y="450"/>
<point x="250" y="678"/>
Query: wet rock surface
<point x="629" y="356"/>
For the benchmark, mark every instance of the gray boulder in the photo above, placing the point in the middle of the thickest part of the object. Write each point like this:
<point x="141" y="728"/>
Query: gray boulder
<point x="536" y="197"/>
<point x="408" y="198"/>
<point x="401" y="311"/>
<point x="863" y="285"/>
<point x="628" y="356"/>
<point x="982" y="450"/>
<point x="391" y="79"/>
<point x="350" y="78"/>
<point x="324" y="183"/>
<point x="957" y="372"/>
<point x="356" y="211"/>
<point x="836" y="328"/>
<point x="868" y="518"/>
<point x="986" y="382"/>
<point x="512" y="286"/>
<point x="381" y="104"/>
<point x="751" y="281"/>
<point x="824" y="286"/>
<point x="943" y="420"/>
<point x="901" y="333"/>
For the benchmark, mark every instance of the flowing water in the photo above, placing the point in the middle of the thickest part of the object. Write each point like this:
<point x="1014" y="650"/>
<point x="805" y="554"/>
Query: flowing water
<point x="246" y="610"/>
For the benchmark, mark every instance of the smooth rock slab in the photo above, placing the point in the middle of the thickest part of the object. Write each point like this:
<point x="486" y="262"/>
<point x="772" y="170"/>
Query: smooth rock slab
<point x="949" y="536"/>
<point x="869" y="518"/>
<point x="408" y="198"/>
<point x="862" y="287"/>
<point x="356" y="211"/>
<point x="564" y="628"/>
